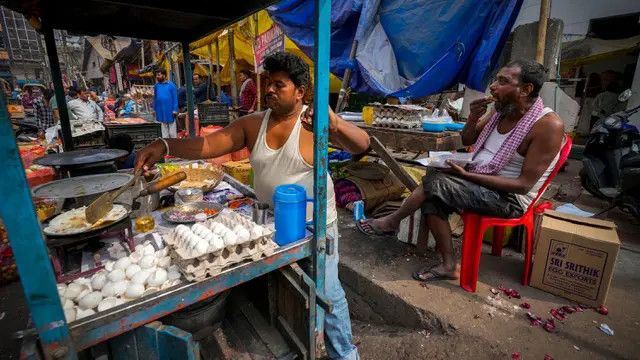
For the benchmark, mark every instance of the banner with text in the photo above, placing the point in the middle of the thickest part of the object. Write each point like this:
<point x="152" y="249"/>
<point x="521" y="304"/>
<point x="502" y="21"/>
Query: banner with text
<point x="267" y="43"/>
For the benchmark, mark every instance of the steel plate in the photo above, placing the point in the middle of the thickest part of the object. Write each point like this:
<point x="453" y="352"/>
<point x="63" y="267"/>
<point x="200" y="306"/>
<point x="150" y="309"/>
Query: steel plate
<point x="80" y="157"/>
<point x="93" y="230"/>
<point x="194" y="208"/>
<point x="81" y="186"/>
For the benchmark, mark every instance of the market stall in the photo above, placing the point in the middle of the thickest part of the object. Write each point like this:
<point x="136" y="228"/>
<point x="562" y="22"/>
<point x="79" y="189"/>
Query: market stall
<point x="60" y="332"/>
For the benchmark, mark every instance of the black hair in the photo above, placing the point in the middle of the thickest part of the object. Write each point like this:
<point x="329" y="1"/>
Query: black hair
<point x="531" y="72"/>
<point x="121" y="141"/>
<point x="246" y="72"/>
<point x="81" y="90"/>
<point x="73" y="92"/>
<point x="47" y="94"/>
<point x="160" y="70"/>
<point x="293" y="65"/>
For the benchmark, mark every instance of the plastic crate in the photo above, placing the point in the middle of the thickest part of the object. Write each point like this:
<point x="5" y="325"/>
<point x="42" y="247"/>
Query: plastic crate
<point x="141" y="134"/>
<point x="213" y="113"/>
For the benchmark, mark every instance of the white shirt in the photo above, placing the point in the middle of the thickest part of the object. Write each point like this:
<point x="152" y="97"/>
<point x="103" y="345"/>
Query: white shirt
<point x="85" y="110"/>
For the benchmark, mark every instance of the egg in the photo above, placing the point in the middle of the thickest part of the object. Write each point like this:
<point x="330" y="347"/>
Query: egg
<point x="149" y="250"/>
<point x="218" y="228"/>
<point x="68" y="304"/>
<point x="70" y="314"/>
<point x="135" y="257"/>
<point x="99" y="279"/>
<point x="141" y="277"/>
<point x="107" y="303"/>
<point x="116" y="275"/>
<point x="202" y="247"/>
<point x="150" y="290"/>
<point x="173" y="275"/>
<point x="229" y="238"/>
<point x="132" y="270"/>
<point x="83" y="281"/>
<point x="139" y="248"/>
<point x="108" y="289"/>
<point x="147" y="261"/>
<point x="157" y="278"/>
<point x="164" y="262"/>
<point x="217" y="243"/>
<point x="61" y="289"/>
<point x="90" y="300"/>
<point x="122" y="263"/>
<point x="134" y="290"/>
<point x="256" y="231"/>
<point x="170" y="283"/>
<point x="120" y="287"/>
<point x="162" y="252"/>
<point x="108" y="266"/>
<point x="242" y="234"/>
<point x="83" y="313"/>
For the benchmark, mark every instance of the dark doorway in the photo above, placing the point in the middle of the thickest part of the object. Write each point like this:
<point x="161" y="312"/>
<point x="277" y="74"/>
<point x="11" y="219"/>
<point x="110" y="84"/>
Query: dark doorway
<point x="615" y="27"/>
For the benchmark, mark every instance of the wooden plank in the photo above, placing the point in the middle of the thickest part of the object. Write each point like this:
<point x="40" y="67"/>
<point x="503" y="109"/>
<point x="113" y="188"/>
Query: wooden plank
<point x="268" y="334"/>
<point x="415" y="140"/>
<point x="292" y="337"/>
<point x="250" y="339"/>
<point x="393" y="165"/>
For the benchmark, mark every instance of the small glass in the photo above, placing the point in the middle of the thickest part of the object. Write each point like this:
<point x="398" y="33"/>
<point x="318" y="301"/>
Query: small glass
<point x="145" y="223"/>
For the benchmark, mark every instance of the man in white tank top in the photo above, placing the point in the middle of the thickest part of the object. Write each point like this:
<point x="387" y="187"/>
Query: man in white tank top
<point x="515" y="151"/>
<point x="281" y="144"/>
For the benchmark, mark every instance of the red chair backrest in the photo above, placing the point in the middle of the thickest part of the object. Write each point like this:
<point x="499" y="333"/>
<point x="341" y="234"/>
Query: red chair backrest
<point x="564" y="155"/>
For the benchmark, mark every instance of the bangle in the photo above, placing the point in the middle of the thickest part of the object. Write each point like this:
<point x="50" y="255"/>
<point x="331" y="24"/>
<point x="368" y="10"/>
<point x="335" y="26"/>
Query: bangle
<point x="166" y="146"/>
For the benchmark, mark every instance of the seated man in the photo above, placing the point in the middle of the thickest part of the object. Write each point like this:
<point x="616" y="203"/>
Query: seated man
<point x="515" y="150"/>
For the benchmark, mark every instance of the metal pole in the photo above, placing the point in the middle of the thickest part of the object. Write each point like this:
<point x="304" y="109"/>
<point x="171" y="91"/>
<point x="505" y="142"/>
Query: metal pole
<point x="29" y="249"/>
<point x="258" y="82"/>
<point x="320" y="138"/>
<point x="142" y="54"/>
<point x="218" y="80"/>
<point x="346" y="78"/>
<point x="232" y="68"/>
<point x="545" y="7"/>
<point x="209" y="81"/>
<point x="56" y="77"/>
<point x="186" y="56"/>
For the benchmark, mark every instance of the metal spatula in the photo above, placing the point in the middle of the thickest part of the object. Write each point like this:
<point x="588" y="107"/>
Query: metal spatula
<point x="100" y="207"/>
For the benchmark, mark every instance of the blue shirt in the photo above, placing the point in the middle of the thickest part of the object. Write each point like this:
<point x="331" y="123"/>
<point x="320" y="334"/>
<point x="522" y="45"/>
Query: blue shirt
<point x="128" y="108"/>
<point x="165" y="101"/>
<point x="225" y="99"/>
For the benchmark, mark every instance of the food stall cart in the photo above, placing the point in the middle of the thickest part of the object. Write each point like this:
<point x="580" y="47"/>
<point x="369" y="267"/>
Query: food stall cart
<point x="129" y="329"/>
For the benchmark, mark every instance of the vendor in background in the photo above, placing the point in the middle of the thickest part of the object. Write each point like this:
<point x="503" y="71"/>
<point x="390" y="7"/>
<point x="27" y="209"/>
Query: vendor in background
<point x="224" y="96"/>
<point x="129" y="106"/>
<point x="123" y="141"/>
<point x="248" y="93"/>
<point x="280" y="140"/>
<point x="44" y="112"/>
<point x="109" y="106"/>
<point x="85" y="109"/>
<point x="165" y="103"/>
<point x="29" y="96"/>
<point x="606" y="103"/>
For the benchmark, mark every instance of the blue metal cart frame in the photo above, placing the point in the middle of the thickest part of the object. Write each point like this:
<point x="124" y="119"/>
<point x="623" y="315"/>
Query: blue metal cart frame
<point x="58" y="340"/>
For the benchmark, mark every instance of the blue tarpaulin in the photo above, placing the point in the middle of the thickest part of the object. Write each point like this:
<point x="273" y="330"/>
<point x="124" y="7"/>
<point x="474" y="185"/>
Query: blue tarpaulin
<point x="407" y="48"/>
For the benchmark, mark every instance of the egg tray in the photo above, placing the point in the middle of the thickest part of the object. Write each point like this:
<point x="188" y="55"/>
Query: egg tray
<point x="212" y="264"/>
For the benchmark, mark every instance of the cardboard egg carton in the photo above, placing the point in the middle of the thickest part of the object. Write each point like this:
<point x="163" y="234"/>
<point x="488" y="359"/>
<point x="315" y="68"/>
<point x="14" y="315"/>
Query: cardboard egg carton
<point x="197" y="267"/>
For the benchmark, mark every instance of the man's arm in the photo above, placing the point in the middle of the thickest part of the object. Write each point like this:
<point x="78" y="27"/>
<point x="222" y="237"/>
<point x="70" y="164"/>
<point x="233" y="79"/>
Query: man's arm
<point x="545" y="144"/>
<point x="347" y="135"/>
<point x="231" y="138"/>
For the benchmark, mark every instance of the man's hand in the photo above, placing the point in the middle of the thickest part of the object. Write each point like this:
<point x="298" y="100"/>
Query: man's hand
<point x="455" y="169"/>
<point x="307" y="119"/>
<point x="477" y="108"/>
<point x="150" y="155"/>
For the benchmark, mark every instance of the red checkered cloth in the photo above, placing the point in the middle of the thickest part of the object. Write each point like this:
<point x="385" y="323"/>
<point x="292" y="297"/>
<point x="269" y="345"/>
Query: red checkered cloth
<point x="510" y="145"/>
<point x="248" y="96"/>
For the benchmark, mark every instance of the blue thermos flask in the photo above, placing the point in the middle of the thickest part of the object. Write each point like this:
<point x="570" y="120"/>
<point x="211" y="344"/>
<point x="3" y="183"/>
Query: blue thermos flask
<point x="290" y="211"/>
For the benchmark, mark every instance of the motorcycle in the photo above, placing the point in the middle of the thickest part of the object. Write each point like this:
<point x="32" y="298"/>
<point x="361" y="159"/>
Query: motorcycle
<point x="611" y="160"/>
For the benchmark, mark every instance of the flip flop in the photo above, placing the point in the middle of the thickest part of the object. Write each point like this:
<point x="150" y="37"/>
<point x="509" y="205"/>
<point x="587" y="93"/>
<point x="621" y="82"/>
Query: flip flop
<point x="436" y="276"/>
<point x="367" y="229"/>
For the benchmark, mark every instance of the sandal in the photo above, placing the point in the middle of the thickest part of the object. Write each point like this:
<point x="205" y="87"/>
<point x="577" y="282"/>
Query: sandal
<point x="435" y="275"/>
<point x="366" y="228"/>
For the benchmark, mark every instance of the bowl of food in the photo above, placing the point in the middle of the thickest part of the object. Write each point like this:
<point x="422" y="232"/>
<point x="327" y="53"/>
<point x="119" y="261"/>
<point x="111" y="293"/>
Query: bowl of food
<point x="200" y="176"/>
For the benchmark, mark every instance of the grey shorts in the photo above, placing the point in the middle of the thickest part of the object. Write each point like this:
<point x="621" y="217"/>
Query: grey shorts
<point x="447" y="194"/>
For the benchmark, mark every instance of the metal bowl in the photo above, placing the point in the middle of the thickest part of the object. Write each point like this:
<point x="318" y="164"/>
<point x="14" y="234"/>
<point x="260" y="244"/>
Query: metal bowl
<point x="185" y="213"/>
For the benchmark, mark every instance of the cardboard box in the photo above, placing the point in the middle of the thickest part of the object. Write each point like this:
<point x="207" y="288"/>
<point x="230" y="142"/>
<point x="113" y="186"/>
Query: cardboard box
<point x="575" y="257"/>
<point x="239" y="170"/>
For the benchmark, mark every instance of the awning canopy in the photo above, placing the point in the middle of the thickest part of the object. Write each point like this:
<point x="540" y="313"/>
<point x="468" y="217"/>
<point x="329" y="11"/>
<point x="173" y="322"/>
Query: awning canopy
<point x="143" y="19"/>
<point x="590" y="50"/>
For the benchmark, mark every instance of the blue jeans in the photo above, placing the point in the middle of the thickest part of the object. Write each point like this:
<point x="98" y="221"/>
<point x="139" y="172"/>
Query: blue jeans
<point x="337" y="325"/>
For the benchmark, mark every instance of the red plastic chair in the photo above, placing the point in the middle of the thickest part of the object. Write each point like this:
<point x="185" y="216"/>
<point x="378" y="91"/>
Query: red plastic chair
<point x="475" y="226"/>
